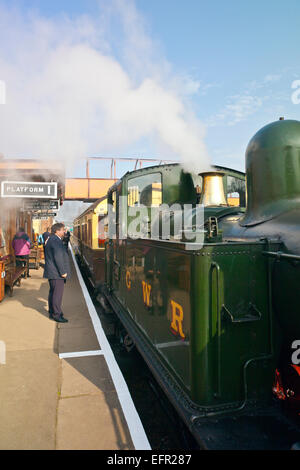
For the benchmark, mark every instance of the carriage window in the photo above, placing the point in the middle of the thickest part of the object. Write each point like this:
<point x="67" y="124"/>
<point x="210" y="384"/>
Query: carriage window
<point x="145" y="190"/>
<point x="84" y="233"/>
<point x="114" y="201"/>
<point x="102" y="230"/>
<point x="236" y="192"/>
<point x="90" y="233"/>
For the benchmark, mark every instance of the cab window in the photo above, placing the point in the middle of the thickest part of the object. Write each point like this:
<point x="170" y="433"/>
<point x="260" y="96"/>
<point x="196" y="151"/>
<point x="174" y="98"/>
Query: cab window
<point x="145" y="190"/>
<point x="236" y="191"/>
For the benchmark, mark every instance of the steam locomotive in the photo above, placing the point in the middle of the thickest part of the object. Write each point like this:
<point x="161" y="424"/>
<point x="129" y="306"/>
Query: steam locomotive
<point x="213" y="306"/>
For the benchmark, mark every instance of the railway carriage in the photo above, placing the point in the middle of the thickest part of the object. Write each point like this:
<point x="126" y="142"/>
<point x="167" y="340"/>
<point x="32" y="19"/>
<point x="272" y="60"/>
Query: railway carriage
<point x="89" y="238"/>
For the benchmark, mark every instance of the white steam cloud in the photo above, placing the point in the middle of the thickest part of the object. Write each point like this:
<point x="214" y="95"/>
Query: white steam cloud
<point x="73" y="90"/>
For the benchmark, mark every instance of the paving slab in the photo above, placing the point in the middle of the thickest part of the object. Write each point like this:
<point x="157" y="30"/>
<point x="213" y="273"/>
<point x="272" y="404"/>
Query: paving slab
<point x="74" y="306"/>
<point x="28" y="400"/>
<point x="77" y="339"/>
<point x="85" y="375"/>
<point x="92" y="422"/>
<point x="24" y="318"/>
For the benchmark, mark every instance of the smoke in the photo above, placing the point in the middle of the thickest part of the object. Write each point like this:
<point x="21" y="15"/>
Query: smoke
<point x="74" y="88"/>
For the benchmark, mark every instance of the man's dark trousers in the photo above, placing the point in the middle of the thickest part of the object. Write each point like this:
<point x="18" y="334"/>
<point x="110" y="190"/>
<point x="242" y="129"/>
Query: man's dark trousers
<point x="55" y="296"/>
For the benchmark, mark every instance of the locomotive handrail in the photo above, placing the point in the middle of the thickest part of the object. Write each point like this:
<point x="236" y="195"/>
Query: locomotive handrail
<point x="215" y="267"/>
<point x="279" y="255"/>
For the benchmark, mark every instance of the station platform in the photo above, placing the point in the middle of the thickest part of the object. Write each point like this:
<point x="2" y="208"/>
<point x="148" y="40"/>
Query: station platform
<point x="60" y="386"/>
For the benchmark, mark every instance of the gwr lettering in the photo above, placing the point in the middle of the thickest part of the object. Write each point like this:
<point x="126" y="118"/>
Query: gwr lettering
<point x="177" y="319"/>
<point x="146" y="293"/>
<point x="128" y="280"/>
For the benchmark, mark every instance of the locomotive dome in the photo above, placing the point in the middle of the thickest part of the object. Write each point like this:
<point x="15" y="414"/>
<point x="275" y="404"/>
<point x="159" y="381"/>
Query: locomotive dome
<point x="273" y="171"/>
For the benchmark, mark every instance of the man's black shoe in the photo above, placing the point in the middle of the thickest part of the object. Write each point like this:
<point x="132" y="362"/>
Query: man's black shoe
<point x="61" y="319"/>
<point x="51" y="315"/>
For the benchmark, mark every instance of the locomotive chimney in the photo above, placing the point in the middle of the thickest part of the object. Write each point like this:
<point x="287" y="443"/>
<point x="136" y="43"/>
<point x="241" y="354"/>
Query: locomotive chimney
<point x="213" y="190"/>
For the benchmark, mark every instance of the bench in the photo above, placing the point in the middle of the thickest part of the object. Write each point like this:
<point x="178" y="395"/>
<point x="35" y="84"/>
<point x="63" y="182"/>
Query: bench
<point x="13" y="273"/>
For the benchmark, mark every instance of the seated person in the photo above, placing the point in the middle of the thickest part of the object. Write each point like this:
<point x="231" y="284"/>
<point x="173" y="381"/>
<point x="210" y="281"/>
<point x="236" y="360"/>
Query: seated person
<point x="21" y="245"/>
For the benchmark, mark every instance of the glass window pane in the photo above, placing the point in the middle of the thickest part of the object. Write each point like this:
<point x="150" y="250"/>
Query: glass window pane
<point x="114" y="201"/>
<point x="236" y="191"/>
<point x="145" y="190"/>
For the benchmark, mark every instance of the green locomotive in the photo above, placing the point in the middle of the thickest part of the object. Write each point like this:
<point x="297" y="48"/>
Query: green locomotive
<point x="207" y="302"/>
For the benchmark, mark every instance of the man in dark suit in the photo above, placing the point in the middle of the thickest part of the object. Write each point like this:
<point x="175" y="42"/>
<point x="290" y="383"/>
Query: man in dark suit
<point x="45" y="236"/>
<point x="56" y="271"/>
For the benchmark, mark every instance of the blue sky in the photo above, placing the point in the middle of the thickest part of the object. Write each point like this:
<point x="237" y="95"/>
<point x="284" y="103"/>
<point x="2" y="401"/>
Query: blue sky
<point x="232" y="64"/>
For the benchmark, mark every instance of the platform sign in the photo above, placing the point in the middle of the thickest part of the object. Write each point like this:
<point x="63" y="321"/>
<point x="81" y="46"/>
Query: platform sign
<point x="41" y="205"/>
<point x="47" y="214"/>
<point x="21" y="189"/>
<point x="44" y="215"/>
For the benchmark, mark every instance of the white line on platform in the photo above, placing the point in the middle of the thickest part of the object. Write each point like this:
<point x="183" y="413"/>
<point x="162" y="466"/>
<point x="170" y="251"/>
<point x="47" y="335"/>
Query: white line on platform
<point x="136" y="429"/>
<point x="80" y="354"/>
